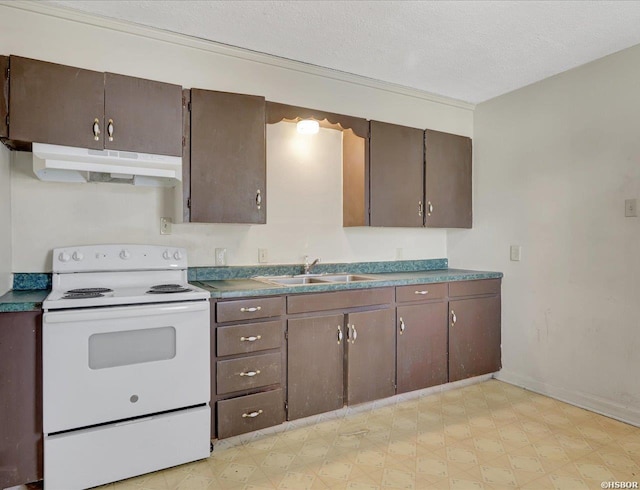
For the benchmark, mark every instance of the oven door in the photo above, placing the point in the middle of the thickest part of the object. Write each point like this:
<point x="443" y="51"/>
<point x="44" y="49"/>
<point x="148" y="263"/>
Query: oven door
<point x="106" y="364"/>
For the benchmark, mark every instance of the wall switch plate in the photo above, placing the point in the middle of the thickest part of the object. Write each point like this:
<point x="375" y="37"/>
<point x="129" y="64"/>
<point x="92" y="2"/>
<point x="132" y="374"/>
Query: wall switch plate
<point x="165" y="226"/>
<point x="516" y="253"/>
<point x="221" y="256"/>
<point x="631" y="208"/>
<point x="399" y="253"/>
<point x="263" y="255"/>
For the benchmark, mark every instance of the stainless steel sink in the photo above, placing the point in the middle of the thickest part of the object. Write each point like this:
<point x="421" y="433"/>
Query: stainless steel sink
<point x="345" y="278"/>
<point x="301" y="280"/>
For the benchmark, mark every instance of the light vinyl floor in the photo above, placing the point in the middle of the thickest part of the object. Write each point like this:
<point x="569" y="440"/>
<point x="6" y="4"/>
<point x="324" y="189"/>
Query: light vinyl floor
<point x="489" y="435"/>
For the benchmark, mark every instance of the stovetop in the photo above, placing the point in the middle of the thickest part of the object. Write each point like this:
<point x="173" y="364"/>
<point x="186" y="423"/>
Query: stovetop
<point x="108" y="275"/>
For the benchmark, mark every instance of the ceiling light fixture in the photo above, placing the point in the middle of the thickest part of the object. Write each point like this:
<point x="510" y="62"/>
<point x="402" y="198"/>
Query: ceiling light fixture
<point x="308" y="126"/>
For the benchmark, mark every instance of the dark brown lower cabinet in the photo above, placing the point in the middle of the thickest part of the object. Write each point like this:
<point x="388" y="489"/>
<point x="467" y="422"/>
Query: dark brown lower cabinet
<point x="474" y="337"/>
<point x="421" y="346"/>
<point x="315" y="365"/>
<point x="20" y="398"/>
<point x="371" y="360"/>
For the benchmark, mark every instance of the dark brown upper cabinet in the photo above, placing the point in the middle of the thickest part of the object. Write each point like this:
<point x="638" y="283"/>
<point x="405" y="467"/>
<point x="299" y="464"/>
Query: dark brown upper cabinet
<point x="55" y="104"/>
<point x="64" y="105"/>
<point x="4" y="96"/>
<point x="396" y="164"/>
<point x="228" y="159"/>
<point x="448" y="187"/>
<point x="142" y="115"/>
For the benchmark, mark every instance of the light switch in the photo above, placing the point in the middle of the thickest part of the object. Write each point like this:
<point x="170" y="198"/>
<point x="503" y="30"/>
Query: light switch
<point x="263" y="255"/>
<point x="631" y="208"/>
<point x="516" y="252"/>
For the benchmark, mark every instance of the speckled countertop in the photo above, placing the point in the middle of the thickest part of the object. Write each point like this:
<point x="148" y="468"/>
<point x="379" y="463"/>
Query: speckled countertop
<point x="29" y="300"/>
<point x="240" y="288"/>
<point x="30" y="290"/>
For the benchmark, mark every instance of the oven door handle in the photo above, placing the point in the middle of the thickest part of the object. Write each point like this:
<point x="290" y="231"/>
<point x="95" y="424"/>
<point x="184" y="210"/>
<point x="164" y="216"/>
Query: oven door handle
<point x="91" y="314"/>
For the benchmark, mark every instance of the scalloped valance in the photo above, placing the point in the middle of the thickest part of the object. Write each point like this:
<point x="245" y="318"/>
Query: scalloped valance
<point x="277" y="112"/>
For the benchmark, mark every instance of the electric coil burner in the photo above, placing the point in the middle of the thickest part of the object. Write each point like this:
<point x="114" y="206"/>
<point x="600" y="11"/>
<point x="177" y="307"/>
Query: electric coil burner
<point x="126" y="368"/>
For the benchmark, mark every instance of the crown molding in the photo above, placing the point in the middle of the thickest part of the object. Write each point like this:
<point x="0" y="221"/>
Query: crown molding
<point x="226" y="50"/>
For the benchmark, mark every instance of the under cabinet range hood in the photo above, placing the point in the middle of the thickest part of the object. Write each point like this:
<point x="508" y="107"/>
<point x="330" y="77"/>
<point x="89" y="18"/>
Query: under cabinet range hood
<point x="55" y="163"/>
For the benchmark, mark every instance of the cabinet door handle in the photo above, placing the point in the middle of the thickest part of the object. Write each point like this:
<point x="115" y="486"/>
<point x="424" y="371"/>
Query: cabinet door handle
<point x="423" y="292"/>
<point x="429" y="208"/>
<point x="453" y="318"/>
<point x="250" y="374"/>
<point x="419" y="208"/>
<point x="110" y="129"/>
<point x="96" y="129"/>
<point x="259" y="199"/>
<point x="355" y="334"/>
<point x="251" y="309"/>
<point x="253" y="338"/>
<point x="251" y="415"/>
<point x="402" y="326"/>
<point x="339" y="334"/>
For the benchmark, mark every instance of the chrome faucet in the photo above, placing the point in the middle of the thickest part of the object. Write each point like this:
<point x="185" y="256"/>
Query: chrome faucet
<point x="308" y="267"/>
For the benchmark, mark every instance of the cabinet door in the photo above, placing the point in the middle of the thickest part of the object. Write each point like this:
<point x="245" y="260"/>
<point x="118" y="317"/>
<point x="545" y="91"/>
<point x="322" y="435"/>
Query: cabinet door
<point x="228" y="161"/>
<point x="55" y="104"/>
<point x="422" y="346"/>
<point x="371" y="356"/>
<point x="396" y="175"/>
<point x="474" y="337"/>
<point x="315" y="365"/>
<point x="146" y="116"/>
<point x="4" y="96"/>
<point x="20" y="398"/>
<point x="447" y="180"/>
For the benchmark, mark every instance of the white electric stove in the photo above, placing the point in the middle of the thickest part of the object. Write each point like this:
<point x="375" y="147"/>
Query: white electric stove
<point x="126" y="369"/>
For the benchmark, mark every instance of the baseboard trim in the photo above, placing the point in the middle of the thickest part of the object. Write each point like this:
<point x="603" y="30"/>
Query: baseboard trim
<point x="603" y="406"/>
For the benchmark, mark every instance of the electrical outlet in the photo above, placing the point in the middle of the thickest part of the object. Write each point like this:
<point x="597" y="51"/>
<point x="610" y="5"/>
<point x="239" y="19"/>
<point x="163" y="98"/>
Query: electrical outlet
<point x="221" y="256"/>
<point x="516" y="253"/>
<point x="263" y="255"/>
<point x="165" y="226"/>
<point x="631" y="208"/>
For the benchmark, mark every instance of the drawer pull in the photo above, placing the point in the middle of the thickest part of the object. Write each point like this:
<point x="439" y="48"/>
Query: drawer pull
<point x="250" y="374"/>
<point x="402" y="326"/>
<point x="424" y="291"/>
<point x="251" y="415"/>
<point x="250" y="309"/>
<point x="253" y="338"/>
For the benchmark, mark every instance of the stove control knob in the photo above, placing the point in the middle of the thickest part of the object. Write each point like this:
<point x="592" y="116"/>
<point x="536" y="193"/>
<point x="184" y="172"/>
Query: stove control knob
<point x="166" y="255"/>
<point x="64" y="257"/>
<point x="77" y="256"/>
<point x="177" y="255"/>
<point x="125" y="255"/>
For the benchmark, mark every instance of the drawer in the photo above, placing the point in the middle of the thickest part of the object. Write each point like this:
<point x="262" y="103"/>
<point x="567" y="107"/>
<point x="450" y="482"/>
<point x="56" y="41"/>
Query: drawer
<point x="249" y="309"/>
<point x="249" y="337"/>
<point x="249" y="413"/>
<point x="421" y="292"/>
<point x="339" y="300"/>
<point x="247" y="373"/>
<point x="473" y="288"/>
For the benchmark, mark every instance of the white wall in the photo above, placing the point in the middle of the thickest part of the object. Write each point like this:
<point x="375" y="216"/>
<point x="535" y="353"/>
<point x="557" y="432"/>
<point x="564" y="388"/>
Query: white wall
<point x="5" y="220"/>
<point x="554" y="163"/>
<point x="48" y="215"/>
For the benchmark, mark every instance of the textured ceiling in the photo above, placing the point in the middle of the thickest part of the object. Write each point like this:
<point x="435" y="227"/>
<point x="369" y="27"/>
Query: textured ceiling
<point x="467" y="50"/>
